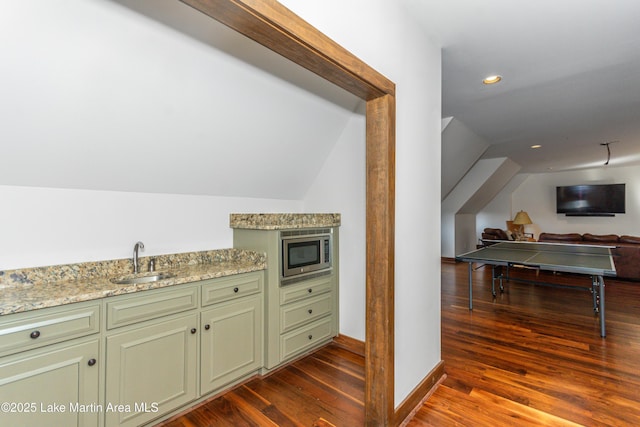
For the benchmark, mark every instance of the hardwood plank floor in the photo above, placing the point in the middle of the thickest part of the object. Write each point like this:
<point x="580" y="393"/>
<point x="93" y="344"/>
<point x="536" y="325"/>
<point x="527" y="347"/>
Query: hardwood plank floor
<point x="532" y="357"/>
<point x="325" y="388"/>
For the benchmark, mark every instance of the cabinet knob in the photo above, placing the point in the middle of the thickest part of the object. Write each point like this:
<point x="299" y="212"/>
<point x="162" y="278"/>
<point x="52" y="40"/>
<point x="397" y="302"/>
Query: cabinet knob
<point x="310" y="337"/>
<point x="34" y="334"/>
<point x="91" y="362"/>
<point x="207" y="326"/>
<point x="194" y="330"/>
<point x="235" y="290"/>
<point x="310" y="311"/>
<point x="310" y="290"/>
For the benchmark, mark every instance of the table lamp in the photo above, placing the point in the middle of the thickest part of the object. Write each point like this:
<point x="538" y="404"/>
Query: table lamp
<point x="521" y="219"/>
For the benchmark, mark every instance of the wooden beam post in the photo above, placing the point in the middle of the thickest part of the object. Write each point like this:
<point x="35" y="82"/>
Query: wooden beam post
<point x="379" y="342"/>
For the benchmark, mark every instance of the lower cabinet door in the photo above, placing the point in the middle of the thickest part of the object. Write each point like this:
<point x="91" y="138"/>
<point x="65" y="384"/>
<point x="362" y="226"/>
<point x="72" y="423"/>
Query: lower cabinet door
<point x="231" y="342"/>
<point x="55" y="387"/>
<point x="150" y="371"/>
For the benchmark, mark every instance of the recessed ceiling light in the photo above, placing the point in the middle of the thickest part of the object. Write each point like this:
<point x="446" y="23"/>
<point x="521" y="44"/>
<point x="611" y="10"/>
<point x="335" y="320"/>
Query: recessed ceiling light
<point x="492" y="79"/>
<point x="536" y="146"/>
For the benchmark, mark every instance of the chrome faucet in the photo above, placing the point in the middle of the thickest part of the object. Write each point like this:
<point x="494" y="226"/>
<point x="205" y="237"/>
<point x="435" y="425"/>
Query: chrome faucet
<point x="138" y="246"/>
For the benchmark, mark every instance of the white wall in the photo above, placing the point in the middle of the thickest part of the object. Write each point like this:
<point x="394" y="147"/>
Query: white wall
<point x="404" y="54"/>
<point x="498" y="210"/>
<point x="465" y="225"/>
<point x="340" y="187"/>
<point x="468" y="186"/>
<point x="536" y="195"/>
<point x="47" y="226"/>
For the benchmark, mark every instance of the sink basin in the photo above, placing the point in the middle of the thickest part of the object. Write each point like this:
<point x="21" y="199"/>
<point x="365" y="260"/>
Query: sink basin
<point x="141" y="278"/>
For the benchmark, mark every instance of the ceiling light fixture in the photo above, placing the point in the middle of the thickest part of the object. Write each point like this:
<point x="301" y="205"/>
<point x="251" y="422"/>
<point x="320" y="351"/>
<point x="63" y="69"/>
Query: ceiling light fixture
<point x="536" y="146"/>
<point x="606" y="144"/>
<point x="492" y="79"/>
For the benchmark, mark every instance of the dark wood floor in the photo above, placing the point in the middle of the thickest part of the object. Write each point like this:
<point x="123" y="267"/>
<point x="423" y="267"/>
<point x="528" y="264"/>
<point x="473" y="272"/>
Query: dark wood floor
<point x="534" y="356"/>
<point x="323" y="389"/>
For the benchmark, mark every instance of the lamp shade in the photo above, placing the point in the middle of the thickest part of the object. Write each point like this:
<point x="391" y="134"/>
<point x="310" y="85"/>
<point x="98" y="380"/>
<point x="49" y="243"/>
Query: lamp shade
<point x="522" y="218"/>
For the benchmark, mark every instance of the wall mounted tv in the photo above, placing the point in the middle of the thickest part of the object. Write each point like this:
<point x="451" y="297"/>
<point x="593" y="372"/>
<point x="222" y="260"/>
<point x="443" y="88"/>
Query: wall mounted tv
<point x="591" y="200"/>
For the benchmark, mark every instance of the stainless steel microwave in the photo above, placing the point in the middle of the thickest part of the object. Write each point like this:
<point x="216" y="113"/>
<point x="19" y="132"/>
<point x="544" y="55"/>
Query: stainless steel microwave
<point x="306" y="254"/>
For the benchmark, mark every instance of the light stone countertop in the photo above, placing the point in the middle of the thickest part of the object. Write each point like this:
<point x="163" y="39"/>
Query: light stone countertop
<point x="283" y="221"/>
<point x="31" y="289"/>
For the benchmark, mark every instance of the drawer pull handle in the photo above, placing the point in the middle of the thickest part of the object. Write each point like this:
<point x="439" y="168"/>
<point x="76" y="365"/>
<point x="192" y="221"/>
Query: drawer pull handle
<point x="34" y="334"/>
<point x="193" y="330"/>
<point x="235" y="290"/>
<point x="207" y="326"/>
<point x="91" y="362"/>
<point x="310" y="290"/>
<point x="310" y="337"/>
<point x="310" y="311"/>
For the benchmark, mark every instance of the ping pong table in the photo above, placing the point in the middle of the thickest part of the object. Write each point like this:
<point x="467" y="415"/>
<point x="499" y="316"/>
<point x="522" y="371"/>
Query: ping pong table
<point x="590" y="260"/>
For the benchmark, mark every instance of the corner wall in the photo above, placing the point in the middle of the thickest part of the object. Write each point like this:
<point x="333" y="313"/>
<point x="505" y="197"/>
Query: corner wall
<point x="465" y="225"/>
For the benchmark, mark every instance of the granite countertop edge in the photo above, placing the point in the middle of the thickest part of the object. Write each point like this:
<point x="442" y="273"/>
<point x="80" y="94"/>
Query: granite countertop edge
<point x="283" y="221"/>
<point x="33" y="294"/>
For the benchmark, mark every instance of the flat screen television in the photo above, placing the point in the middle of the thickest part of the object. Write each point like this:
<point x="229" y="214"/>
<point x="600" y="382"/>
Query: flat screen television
<point x="591" y="200"/>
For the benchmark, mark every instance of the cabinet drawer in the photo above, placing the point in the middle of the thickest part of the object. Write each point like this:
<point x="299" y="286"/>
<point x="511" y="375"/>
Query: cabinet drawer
<point x="305" y="311"/>
<point x="305" y="338"/>
<point x="25" y="331"/>
<point x="150" y="305"/>
<point x="291" y="293"/>
<point x="227" y="288"/>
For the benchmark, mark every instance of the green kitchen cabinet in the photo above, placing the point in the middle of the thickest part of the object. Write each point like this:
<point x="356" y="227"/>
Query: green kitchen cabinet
<point x="161" y="344"/>
<point x="306" y="316"/>
<point x="231" y="342"/>
<point x="151" y="370"/>
<point x="131" y="359"/>
<point x="300" y="314"/>
<point x="56" y="387"/>
<point x="50" y="371"/>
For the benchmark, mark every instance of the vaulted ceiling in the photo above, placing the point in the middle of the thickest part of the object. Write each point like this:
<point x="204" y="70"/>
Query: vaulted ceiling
<point x="152" y="96"/>
<point x="571" y="77"/>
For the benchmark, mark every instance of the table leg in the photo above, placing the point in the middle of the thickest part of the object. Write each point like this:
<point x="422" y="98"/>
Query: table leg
<point x="602" y="326"/>
<point x="594" y="292"/>
<point x="470" y="286"/>
<point x="493" y="281"/>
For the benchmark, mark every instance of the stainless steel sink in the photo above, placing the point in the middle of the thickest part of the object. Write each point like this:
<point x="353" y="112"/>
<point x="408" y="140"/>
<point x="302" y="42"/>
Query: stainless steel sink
<point x="141" y="278"/>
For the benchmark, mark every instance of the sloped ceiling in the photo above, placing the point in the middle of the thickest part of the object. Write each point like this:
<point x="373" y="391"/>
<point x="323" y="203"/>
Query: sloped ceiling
<point x="152" y="96"/>
<point x="570" y="77"/>
<point x="500" y="177"/>
<point x="461" y="148"/>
